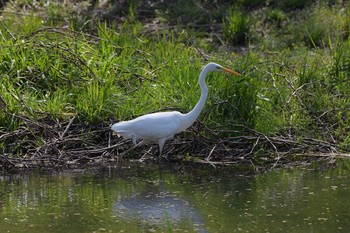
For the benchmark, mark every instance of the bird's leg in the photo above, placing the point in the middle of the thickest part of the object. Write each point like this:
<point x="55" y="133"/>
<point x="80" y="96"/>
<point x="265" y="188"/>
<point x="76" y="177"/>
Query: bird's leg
<point x="161" y="144"/>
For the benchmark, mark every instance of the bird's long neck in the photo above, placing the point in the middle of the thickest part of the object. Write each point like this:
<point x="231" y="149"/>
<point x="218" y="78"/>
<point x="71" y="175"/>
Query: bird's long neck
<point x="191" y="117"/>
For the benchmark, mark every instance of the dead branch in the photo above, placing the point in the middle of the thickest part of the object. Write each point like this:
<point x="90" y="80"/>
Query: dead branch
<point x="48" y="142"/>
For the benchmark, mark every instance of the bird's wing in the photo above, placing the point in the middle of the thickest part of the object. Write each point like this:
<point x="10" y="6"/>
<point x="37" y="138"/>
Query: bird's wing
<point x="155" y="126"/>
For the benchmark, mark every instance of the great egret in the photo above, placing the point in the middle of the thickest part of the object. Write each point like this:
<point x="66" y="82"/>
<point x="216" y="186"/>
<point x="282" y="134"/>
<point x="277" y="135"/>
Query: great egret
<point x="161" y="126"/>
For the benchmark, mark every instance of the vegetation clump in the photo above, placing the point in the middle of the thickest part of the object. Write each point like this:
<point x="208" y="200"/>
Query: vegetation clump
<point x="70" y="69"/>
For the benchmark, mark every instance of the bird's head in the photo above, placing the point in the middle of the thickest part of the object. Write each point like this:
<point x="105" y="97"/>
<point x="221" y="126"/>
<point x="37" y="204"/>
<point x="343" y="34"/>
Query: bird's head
<point x="216" y="67"/>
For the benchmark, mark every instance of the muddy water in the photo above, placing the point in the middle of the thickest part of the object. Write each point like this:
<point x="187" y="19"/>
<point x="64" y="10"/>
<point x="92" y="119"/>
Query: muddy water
<point x="144" y="198"/>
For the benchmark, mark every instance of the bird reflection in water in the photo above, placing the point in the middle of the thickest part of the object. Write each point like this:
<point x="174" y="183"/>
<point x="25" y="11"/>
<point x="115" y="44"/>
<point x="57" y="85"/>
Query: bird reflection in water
<point x="156" y="207"/>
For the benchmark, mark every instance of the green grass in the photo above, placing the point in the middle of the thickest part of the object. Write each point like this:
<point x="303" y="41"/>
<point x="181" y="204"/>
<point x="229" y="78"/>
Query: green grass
<point x="295" y="82"/>
<point x="236" y="26"/>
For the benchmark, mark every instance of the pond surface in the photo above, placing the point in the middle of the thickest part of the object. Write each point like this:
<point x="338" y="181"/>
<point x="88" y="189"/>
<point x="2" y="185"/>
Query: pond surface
<point x="143" y="198"/>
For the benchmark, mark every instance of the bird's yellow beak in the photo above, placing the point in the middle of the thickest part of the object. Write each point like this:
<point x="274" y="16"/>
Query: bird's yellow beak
<point x="230" y="71"/>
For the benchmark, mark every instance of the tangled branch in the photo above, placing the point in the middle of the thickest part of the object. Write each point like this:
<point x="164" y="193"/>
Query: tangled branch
<point x="52" y="143"/>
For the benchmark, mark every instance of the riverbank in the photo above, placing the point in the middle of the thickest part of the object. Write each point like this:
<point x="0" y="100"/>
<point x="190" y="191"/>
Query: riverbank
<point x="67" y="75"/>
<point x="71" y="144"/>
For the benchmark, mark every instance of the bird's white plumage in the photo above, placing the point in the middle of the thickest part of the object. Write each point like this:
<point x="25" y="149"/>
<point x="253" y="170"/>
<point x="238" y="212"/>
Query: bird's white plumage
<point x="161" y="126"/>
<point x="151" y="127"/>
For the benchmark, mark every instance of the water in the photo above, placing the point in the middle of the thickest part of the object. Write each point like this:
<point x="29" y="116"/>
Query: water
<point x="141" y="198"/>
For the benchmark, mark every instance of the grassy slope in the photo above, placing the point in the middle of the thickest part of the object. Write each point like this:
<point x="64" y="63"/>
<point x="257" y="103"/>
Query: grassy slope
<point x="295" y="85"/>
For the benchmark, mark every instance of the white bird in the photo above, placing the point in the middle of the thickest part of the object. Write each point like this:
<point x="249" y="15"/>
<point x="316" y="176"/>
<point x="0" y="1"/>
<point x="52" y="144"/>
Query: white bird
<point x="161" y="126"/>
